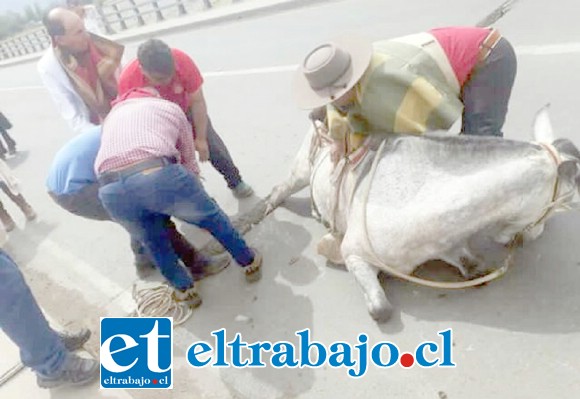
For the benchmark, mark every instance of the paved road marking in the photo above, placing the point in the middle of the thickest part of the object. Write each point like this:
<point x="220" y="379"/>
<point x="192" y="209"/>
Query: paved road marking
<point x="547" y="49"/>
<point x="252" y="71"/>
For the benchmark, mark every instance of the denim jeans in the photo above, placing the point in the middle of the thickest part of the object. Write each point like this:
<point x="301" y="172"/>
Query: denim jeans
<point x="22" y="320"/>
<point x="142" y="201"/>
<point x="86" y="203"/>
<point x="486" y="93"/>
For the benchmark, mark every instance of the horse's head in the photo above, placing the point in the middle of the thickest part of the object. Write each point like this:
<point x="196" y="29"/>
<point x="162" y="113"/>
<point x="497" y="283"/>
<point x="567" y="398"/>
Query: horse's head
<point x="564" y="151"/>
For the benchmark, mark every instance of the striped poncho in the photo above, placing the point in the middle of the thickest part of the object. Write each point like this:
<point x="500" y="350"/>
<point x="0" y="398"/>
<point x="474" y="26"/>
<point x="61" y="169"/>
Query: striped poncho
<point x="409" y="87"/>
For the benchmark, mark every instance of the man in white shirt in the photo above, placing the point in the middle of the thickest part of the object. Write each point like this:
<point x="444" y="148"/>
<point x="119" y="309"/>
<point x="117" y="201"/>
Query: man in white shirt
<point x="80" y="70"/>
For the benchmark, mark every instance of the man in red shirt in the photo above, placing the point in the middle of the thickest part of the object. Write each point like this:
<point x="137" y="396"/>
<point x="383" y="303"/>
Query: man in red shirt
<point x="176" y="77"/>
<point x="415" y="83"/>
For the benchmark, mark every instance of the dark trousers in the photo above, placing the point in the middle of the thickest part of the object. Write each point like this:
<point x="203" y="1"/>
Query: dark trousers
<point x="19" y="200"/>
<point x="220" y="157"/>
<point x="10" y="143"/>
<point x="486" y="93"/>
<point x="86" y="203"/>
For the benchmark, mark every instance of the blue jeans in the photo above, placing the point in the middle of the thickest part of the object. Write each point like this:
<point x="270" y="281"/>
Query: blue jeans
<point x="86" y="203"/>
<point x="142" y="201"/>
<point x="22" y="320"/>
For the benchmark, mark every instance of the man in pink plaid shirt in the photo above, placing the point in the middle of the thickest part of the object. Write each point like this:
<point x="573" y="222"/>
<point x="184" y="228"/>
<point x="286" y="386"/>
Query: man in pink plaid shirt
<point x="147" y="171"/>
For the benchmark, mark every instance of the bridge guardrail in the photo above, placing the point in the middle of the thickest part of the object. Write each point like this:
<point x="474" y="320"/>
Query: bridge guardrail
<point x="111" y="17"/>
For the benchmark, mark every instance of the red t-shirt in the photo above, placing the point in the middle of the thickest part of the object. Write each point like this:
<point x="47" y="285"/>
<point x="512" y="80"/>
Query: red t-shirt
<point x="187" y="80"/>
<point x="461" y="45"/>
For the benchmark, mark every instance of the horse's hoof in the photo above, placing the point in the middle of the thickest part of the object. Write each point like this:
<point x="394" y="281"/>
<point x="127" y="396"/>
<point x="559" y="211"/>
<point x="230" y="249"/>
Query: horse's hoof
<point x="381" y="313"/>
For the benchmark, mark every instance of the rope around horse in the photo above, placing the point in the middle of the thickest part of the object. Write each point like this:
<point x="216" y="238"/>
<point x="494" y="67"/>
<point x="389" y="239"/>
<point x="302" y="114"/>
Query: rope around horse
<point x="508" y="262"/>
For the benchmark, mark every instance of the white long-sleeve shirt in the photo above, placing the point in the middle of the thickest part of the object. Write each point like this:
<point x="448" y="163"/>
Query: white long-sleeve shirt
<point x="69" y="103"/>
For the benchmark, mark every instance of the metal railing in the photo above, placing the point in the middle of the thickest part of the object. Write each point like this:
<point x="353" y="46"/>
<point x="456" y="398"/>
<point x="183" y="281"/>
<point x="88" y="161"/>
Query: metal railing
<point x="28" y="42"/>
<point x="121" y="15"/>
<point x="113" y="16"/>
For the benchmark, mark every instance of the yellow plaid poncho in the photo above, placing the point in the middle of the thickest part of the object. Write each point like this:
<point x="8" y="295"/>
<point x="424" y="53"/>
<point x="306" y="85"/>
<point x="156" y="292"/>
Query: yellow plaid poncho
<point x="409" y="87"/>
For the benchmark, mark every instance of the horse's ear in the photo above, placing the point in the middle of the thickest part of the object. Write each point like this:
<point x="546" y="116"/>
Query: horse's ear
<point x="568" y="170"/>
<point x="543" y="132"/>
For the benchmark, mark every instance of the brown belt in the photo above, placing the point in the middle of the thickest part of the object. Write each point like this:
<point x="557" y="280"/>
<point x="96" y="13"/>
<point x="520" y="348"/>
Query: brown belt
<point x="488" y="44"/>
<point x="116" y="175"/>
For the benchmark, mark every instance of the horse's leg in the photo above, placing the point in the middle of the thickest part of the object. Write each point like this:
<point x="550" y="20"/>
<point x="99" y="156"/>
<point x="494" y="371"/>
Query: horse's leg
<point x="463" y="259"/>
<point x="329" y="247"/>
<point x="365" y="274"/>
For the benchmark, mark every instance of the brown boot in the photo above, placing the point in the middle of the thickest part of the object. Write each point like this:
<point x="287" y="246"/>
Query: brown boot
<point x="6" y="219"/>
<point x="25" y="207"/>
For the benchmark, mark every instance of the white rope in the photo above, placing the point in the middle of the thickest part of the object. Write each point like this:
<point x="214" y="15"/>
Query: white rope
<point x="555" y="203"/>
<point x="11" y="372"/>
<point x="158" y="302"/>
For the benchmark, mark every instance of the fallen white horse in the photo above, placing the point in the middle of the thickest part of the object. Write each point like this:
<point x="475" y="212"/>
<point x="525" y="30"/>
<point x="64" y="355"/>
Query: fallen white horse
<point x="415" y="199"/>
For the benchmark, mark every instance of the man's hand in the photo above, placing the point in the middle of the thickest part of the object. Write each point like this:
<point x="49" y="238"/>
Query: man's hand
<point x="202" y="149"/>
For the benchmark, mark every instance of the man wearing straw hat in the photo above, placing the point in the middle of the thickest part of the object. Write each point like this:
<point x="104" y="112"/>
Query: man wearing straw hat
<point x="413" y="84"/>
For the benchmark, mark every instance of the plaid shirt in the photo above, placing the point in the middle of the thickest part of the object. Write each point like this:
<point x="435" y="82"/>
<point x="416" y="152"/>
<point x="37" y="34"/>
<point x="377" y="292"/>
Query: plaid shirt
<point x="138" y="129"/>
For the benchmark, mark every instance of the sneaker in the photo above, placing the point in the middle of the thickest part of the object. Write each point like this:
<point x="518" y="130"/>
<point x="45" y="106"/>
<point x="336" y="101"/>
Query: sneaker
<point x="74" y="340"/>
<point x="209" y="265"/>
<point x="242" y="190"/>
<point x="188" y="297"/>
<point x="253" y="271"/>
<point x="75" y="371"/>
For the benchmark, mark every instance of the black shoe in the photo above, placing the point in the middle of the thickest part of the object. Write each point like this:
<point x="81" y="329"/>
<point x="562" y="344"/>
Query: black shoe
<point x="75" y="371"/>
<point x="209" y="266"/>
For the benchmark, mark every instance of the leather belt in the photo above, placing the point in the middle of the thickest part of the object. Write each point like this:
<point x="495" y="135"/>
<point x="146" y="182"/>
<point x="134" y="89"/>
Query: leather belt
<point x="116" y="175"/>
<point x="488" y="44"/>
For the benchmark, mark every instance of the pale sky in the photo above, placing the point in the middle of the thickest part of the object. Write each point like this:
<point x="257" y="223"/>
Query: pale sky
<point x="19" y="5"/>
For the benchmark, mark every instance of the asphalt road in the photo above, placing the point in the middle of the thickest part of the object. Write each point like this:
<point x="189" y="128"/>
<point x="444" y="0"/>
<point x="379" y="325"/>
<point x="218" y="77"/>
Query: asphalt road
<point x="515" y="338"/>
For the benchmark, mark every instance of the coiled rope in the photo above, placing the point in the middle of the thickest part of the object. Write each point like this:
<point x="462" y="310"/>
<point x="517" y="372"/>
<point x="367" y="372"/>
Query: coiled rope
<point x="158" y="301"/>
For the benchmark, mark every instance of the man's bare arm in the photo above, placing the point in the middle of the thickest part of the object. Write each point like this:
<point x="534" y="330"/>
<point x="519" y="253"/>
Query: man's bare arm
<point x="200" y="122"/>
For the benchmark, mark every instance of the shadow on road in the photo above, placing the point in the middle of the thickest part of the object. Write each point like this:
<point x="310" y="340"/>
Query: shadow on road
<point x="268" y="310"/>
<point x="538" y="295"/>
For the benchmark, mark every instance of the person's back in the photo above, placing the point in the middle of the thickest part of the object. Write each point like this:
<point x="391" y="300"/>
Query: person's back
<point x="414" y="83"/>
<point x="144" y="127"/>
<point x="73" y="166"/>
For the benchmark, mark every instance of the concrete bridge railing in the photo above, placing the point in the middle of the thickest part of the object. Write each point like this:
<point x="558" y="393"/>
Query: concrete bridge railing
<point x="110" y="17"/>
